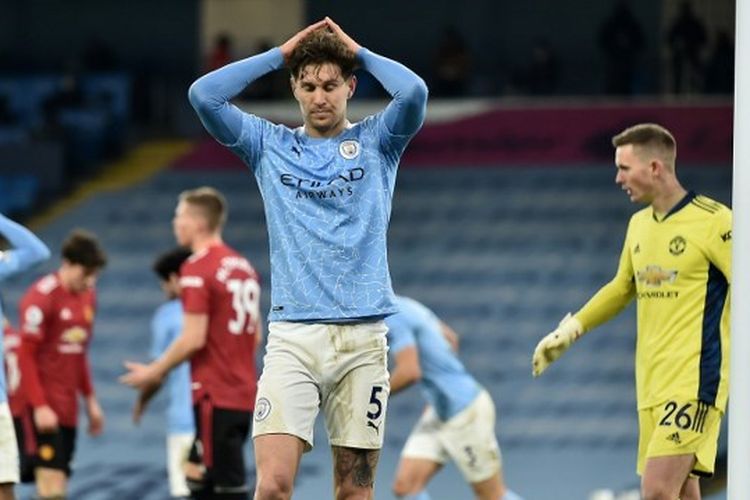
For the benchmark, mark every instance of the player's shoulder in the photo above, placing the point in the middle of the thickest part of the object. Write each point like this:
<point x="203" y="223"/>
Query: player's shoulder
<point x="230" y="260"/>
<point x="709" y="207"/>
<point x="642" y="215"/>
<point x="412" y="310"/>
<point x="44" y="286"/>
<point x="370" y="122"/>
<point x="196" y="262"/>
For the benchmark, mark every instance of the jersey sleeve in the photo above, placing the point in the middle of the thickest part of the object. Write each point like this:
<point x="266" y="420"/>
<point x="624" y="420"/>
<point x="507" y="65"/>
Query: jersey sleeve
<point x="405" y="114"/>
<point x="195" y="291"/>
<point x="613" y="297"/>
<point x="210" y="95"/>
<point x="719" y="245"/>
<point x="400" y="335"/>
<point x="35" y="312"/>
<point x="26" y="250"/>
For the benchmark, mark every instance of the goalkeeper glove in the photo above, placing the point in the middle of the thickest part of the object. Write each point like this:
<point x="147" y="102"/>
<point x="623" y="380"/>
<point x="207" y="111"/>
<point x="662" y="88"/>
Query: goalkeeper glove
<point x="554" y="344"/>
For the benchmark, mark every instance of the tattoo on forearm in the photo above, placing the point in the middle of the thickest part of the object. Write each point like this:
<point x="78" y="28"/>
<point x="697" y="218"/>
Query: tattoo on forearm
<point x="355" y="465"/>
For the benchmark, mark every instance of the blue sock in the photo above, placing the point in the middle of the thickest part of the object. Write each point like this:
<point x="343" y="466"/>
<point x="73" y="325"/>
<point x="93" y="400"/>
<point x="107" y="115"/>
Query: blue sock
<point x="511" y="495"/>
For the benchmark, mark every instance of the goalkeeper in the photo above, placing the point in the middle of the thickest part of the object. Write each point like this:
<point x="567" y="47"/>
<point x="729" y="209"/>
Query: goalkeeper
<point x="676" y="263"/>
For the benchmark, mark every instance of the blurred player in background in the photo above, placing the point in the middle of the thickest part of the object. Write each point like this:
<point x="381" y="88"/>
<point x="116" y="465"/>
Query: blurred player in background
<point x="220" y="295"/>
<point x="676" y="262"/>
<point x="166" y="326"/>
<point x="25" y="251"/>
<point x="459" y="421"/>
<point x="22" y="421"/>
<point x="327" y="189"/>
<point x="57" y="318"/>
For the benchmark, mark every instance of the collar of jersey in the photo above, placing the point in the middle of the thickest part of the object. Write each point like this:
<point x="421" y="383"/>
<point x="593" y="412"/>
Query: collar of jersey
<point x="684" y="201"/>
<point x="306" y="138"/>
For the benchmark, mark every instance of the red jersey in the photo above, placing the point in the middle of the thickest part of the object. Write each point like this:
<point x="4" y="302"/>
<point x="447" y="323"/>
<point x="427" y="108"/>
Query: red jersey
<point x="12" y="351"/>
<point x="56" y="329"/>
<point x="222" y="284"/>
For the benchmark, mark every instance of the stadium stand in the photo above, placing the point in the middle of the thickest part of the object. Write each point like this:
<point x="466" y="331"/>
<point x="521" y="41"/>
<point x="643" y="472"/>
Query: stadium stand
<point x="501" y="254"/>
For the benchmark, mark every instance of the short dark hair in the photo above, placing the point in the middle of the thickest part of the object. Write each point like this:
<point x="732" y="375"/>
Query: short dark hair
<point x="321" y="47"/>
<point x="170" y="262"/>
<point x="211" y="202"/>
<point x="82" y="247"/>
<point x="646" y="134"/>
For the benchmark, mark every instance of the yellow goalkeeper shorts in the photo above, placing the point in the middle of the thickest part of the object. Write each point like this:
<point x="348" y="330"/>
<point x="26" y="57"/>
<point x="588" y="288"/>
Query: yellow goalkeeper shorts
<point x="680" y="428"/>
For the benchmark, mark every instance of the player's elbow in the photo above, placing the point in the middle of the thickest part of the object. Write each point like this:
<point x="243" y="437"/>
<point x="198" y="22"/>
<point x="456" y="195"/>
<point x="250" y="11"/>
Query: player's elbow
<point x="197" y="95"/>
<point x="417" y="93"/>
<point x="201" y="96"/>
<point x="42" y="254"/>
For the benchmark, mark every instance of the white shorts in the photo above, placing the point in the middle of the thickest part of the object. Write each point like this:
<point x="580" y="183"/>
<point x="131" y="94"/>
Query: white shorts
<point x="468" y="439"/>
<point x="178" y="449"/>
<point x="341" y="368"/>
<point x="9" y="464"/>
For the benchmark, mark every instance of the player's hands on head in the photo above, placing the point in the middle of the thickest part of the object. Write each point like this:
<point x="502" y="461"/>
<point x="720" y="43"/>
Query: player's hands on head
<point x="348" y="41"/>
<point x="45" y="419"/>
<point x="555" y="344"/>
<point x="288" y="47"/>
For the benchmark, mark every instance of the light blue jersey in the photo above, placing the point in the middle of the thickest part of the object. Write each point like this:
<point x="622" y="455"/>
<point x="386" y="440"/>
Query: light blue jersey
<point x="166" y="326"/>
<point x="26" y="250"/>
<point x="445" y="383"/>
<point x="327" y="200"/>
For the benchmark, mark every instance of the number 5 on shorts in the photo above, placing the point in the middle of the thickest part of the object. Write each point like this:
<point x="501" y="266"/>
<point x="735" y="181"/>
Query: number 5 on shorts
<point x="374" y="415"/>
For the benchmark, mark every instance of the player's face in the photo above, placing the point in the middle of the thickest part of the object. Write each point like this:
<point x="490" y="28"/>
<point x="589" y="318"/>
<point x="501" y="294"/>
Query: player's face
<point x="80" y="278"/>
<point x="186" y="224"/>
<point x="634" y="174"/>
<point x="322" y="93"/>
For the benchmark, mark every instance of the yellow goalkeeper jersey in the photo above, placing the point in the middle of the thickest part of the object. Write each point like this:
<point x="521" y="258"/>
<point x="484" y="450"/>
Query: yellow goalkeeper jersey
<point x="679" y="271"/>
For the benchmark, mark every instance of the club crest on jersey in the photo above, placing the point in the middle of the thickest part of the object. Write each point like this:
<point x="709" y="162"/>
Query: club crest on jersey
<point x="677" y="245"/>
<point x="262" y="409"/>
<point x="349" y="149"/>
<point x="654" y="275"/>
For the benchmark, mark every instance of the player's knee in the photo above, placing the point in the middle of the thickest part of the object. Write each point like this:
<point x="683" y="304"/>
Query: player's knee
<point x="273" y="487"/>
<point x="657" y="490"/>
